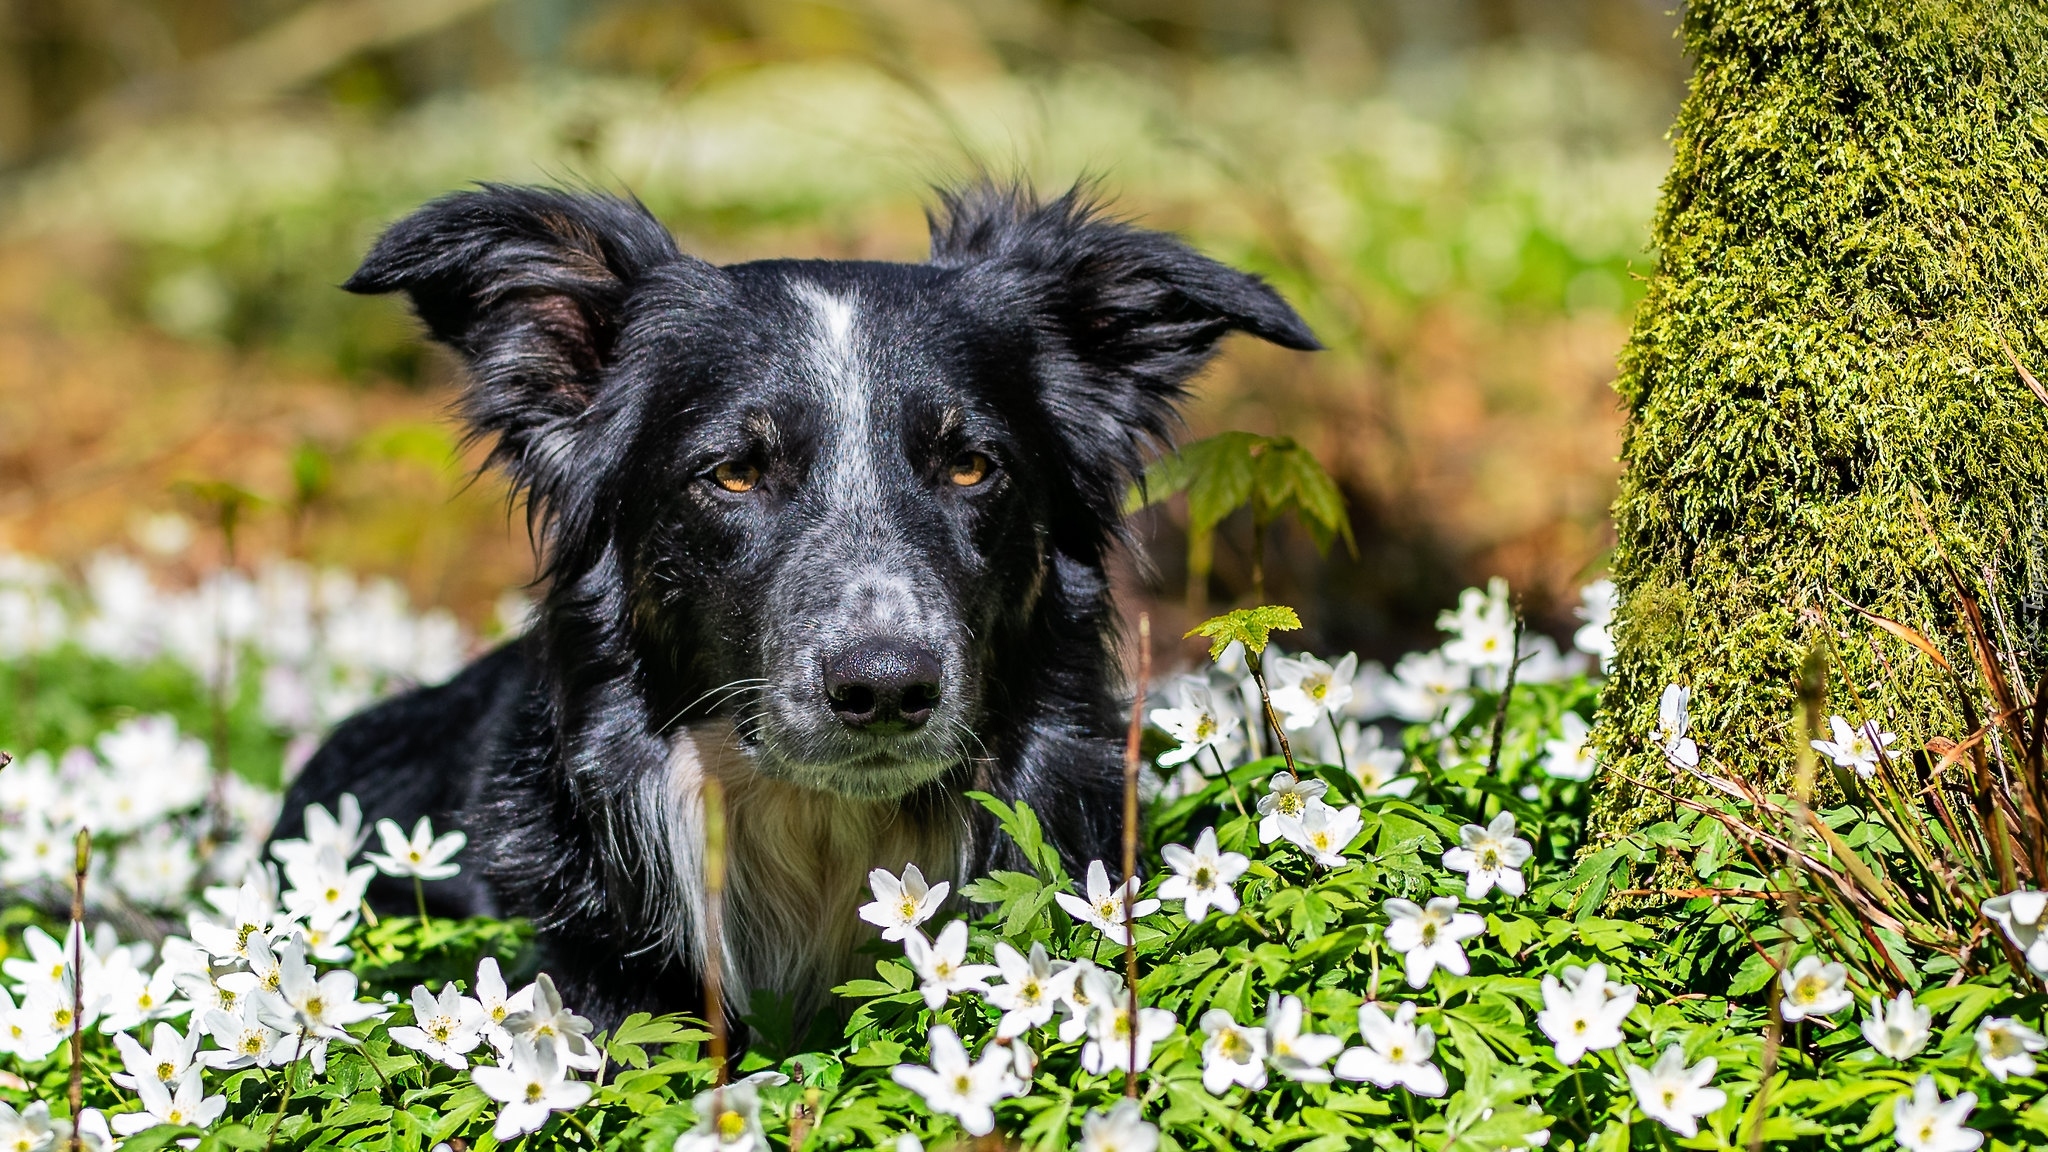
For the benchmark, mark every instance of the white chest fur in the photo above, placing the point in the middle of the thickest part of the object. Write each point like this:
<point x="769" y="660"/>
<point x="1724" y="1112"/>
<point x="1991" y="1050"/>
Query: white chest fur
<point x="797" y="862"/>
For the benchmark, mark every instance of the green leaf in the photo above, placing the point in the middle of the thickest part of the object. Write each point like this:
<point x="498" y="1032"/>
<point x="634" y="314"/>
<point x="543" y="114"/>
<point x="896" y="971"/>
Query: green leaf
<point x="1021" y="823"/>
<point x="877" y="1054"/>
<point x="1252" y="627"/>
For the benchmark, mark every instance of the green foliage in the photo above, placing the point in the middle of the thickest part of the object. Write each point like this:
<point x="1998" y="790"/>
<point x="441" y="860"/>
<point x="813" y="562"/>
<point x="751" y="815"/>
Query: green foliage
<point x="1820" y="403"/>
<point x="1251" y="627"/>
<point x="1272" y="475"/>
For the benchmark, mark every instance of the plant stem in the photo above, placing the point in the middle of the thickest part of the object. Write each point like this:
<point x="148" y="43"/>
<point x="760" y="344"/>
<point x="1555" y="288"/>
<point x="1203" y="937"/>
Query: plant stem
<point x="1507" y="693"/>
<point x="82" y="859"/>
<point x="283" y="1100"/>
<point x="1252" y="661"/>
<point x="1131" y="843"/>
<point x="419" y="895"/>
<point x="714" y="896"/>
<point x="588" y="1136"/>
<point x="1414" y="1129"/>
<point x="1228" y="782"/>
<point x="1343" y="757"/>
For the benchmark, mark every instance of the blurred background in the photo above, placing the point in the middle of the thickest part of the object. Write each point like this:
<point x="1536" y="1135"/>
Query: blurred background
<point x="1456" y="193"/>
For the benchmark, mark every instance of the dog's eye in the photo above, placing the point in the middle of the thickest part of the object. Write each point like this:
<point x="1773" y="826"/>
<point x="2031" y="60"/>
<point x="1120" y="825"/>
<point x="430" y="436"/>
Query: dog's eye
<point x="969" y="469"/>
<point x="735" y="477"/>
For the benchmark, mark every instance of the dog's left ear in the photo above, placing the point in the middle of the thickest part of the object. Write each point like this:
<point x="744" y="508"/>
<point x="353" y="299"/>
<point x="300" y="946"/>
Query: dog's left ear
<point x="1125" y="315"/>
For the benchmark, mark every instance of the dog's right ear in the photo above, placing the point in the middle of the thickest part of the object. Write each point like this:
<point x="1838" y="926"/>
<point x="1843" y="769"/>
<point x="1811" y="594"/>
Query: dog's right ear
<point x="529" y="286"/>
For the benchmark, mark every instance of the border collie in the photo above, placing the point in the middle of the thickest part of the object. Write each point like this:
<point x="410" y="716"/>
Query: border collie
<point x="833" y="532"/>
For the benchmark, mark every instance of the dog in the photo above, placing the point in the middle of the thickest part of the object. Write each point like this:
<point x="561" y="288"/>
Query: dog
<point x="834" y="533"/>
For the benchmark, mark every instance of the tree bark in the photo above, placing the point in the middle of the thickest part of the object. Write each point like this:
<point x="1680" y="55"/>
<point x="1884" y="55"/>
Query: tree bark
<point x="1820" y="405"/>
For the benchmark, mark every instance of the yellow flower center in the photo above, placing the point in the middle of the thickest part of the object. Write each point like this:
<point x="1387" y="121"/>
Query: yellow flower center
<point x="730" y="1125"/>
<point x="166" y="1071"/>
<point x="1290" y="804"/>
<point x="534" y="1091"/>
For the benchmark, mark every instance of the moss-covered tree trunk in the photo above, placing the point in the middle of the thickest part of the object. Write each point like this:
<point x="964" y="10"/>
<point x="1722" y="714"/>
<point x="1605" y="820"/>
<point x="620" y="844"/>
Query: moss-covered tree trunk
<point x="1820" y="404"/>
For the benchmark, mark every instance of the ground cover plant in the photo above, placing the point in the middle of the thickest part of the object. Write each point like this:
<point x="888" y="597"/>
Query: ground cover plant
<point x="1369" y="917"/>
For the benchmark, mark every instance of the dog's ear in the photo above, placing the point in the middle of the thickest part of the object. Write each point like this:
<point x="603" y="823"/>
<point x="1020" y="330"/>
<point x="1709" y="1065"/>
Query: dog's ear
<point x="528" y="285"/>
<point x="1124" y="315"/>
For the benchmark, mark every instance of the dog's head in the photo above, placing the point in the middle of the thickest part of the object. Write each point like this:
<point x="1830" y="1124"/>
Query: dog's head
<point x="827" y="497"/>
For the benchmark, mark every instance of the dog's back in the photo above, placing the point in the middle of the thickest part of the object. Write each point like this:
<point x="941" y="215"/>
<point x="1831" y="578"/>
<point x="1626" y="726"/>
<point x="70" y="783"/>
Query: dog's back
<point x="419" y="754"/>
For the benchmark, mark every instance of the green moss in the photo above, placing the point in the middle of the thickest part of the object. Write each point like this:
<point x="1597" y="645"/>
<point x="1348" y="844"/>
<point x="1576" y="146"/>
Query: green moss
<point x="1855" y="219"/>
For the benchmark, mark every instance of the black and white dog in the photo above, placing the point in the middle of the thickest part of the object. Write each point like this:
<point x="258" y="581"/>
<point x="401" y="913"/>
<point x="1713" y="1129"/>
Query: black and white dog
<point x="832" y="532"/>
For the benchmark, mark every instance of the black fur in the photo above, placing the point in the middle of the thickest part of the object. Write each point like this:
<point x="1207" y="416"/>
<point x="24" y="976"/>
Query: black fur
<point x="611" y="374"/>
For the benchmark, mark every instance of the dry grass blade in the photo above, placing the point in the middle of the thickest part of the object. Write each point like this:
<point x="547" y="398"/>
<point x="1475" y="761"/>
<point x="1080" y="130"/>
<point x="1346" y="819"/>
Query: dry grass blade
<point x="1909" y="635"/>
<point x="2022" y="370"/>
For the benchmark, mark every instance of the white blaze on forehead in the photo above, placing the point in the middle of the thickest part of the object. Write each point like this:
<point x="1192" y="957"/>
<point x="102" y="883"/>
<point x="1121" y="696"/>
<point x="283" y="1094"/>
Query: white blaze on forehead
<point x="844" y="383"/>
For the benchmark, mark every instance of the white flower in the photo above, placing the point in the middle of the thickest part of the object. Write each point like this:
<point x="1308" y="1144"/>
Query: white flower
<point x="93" y="1133"/>
<point x="1427" y="685"/>
<point x="2007" y="1047"/>
<point x="1296" y="1054"/>
<point x="1121" y="1129"/>
<point x="729" y="1118"/>
<point x="1812" y="988"/>
<point x="1674" y="1095"/>
<point x="343" y="833"/>
<point x="1324" y="832"/>
<point x="1109" y="1026"/>
<point x="251" y="911"/>
<point x="953" y="1086"/>
<point x="1569" y="757"/>
<point x="423" y="854"/>
<point x="246" y="1038"/>
<point x="530" y="1084"/>
<point x="942" y="966"/>
<point x="1859" y="748"/>
<point x="1482" y="627"/>
<point x="1431" y="938"/>
<point x="128" y="996"/>
<point x="497" y="1006"/>
<point x="544" y="1022"/>
<point x="1202" y="720"/>
<point x="167" y="1059"/>
<point x="47" y="962"/>
<point x="1030" y="990"/>
<point x="318" y="1008"/>
<point x="901" y="904"/>
<point x="1396" y="1051"/>
<point x="1306" y="689"/>
<point x="1202" y="877"/>
<point x="27" y="1130"/>
<point x="1104" y="907"/>
<point x="1674" y="719"/>
<point x="324" y="890"/>
<point x="1597" y="602"/>
<point x="1899" y="1029"/>
<point x="1076" y="1004"/>
<point x="443" y="1027"/>
<point x="187" y="1105"/>
<point x="2019" y="914"/>
<point x="1288" y="797"/>
<point x="1490" y="857"/>
<point x="152" y="770"/>
<point x="1233" y="1053"/>
<point x="156" y="869"/>
<point x="35" y="850"/>
<point x="1923" y="1122"/>
<point x="1583" y="1013"/>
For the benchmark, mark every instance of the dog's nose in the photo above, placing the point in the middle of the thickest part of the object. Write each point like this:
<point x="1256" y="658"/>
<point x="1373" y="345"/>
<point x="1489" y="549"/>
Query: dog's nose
<point x="883" y="684"/>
